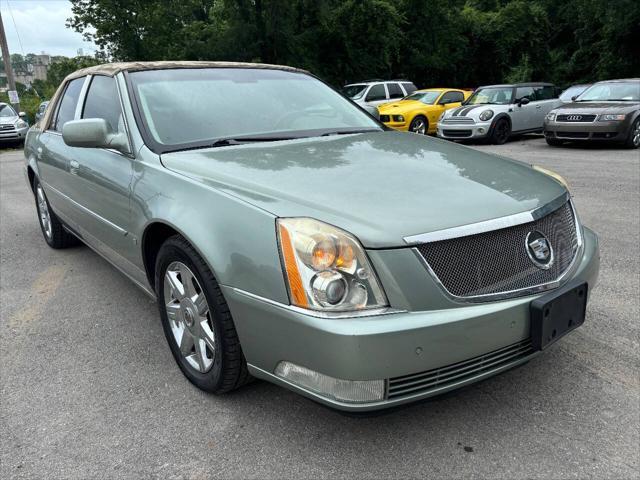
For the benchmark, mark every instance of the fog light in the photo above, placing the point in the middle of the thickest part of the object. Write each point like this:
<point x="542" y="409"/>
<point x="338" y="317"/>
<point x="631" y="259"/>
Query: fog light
<point x="358" y="391"/>
<point x="481" y="130"/>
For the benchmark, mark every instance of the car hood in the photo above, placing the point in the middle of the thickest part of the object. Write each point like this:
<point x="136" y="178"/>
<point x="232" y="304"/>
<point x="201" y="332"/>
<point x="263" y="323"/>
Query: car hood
<point x="474" y="111"/>
<point x="401" y="107"/>
<point x="380" y="186"/>
<point x="598" y="107"/>
<point x="8" y="120"/>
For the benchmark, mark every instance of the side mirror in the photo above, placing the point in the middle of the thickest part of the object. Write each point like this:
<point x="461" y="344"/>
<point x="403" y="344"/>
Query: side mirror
<point x="573" y="99"/>
<point x="443" y="102"/>
<point x="93" y="133"/>
<point x="22" y="114"/>
<point x="523" y="101"/>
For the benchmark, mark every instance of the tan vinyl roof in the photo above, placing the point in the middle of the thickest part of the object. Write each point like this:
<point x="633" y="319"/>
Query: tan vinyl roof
<point x="112" y="69"/>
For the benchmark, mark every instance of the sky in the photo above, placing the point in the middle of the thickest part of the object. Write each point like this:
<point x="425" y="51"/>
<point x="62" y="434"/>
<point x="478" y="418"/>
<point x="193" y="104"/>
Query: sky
<point x="40" y="26"/>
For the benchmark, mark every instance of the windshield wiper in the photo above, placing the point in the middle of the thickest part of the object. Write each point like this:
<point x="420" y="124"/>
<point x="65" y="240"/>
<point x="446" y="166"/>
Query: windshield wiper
<point x="226" y="142"/>
<point x="347" y="132"/>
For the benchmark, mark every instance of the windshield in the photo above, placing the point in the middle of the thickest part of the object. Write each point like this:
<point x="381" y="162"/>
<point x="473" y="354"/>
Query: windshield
<point x="571" y="92"/>
<point x="354" y="91"/>
<point x="7" y="111"/>
<point x="190" y="107"/>
<point x="492" y="95"/>
<point x="428" y="98"/>
<point x="620" y="91"/>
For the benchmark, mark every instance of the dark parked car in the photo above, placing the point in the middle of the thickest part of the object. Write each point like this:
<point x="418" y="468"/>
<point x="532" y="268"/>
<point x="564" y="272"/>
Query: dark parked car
<point x="608" y="111"/>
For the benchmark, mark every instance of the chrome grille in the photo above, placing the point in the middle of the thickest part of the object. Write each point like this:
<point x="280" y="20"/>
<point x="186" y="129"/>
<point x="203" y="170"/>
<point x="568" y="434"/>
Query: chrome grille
<point x="439" y="378"/>
<point x="497" y="263"/>
<point x="575" y="118"/>
<point x="458" y="120"/>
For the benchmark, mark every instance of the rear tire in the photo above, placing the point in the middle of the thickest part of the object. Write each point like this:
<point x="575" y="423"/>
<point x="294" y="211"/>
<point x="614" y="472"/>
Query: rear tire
<point x="196" y="320"/>
<point x="500" y="132"/>
<point x="634" y="135"/>
<point x="53" y="231"/>
<point x="553" y="142"/>
<point x="419" y="125"/>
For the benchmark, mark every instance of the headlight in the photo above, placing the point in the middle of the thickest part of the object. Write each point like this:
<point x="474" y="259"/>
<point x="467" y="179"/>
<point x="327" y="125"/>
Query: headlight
<point x="607" y="117"/>
<point x="553" y="175"/>
<point x="21" y="124"/>
<point x="326" y="268"/>
<point x="398" y="118"/>
<point x="486" y="115"/>
<point x="550" y="116"/>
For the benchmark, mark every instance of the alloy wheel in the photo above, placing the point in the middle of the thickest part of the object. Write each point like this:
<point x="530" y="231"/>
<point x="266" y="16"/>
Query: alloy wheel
<point x="502" y="131"/>
<point x="636" y="135"/>
<point x="43" y="212"/>
<point x="189" y="317"/>
<point x="419" y="127"/>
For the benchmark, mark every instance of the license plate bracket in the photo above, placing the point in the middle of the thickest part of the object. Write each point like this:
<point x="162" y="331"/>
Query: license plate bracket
<point x="556" y="314"/>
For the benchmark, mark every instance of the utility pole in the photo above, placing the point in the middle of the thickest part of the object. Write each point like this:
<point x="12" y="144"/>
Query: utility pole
<point x="7" y="63"/>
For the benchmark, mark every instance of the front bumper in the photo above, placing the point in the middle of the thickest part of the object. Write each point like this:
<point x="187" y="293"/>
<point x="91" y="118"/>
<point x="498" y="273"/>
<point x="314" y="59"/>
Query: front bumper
<point x="12" y="134"/>
<point x="607" y="131"/>
<point x="400" y="126"/>
<point x="396" y="345"/>
<point x="462" y="131"/>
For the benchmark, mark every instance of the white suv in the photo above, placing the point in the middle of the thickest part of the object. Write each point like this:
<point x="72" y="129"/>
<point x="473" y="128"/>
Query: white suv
<point x="371" y="93"/>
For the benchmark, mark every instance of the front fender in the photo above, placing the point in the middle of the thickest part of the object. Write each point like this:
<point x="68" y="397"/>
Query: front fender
<point x="237" y="240"/>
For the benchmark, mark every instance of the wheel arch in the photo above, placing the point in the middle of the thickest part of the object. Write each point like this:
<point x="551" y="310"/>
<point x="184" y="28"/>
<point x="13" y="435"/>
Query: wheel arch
<point x="155" y="233"/>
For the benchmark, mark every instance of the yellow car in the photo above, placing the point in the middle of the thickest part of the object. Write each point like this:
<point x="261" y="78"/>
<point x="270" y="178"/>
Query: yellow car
<point x="419" y="112"/>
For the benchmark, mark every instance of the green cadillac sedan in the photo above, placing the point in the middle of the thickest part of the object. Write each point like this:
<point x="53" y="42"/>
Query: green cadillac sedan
<point x="289" y="236"/>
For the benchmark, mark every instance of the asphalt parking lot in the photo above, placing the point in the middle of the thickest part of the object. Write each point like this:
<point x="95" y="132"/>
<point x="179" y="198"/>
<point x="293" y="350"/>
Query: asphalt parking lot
<point x="89" y="388"/>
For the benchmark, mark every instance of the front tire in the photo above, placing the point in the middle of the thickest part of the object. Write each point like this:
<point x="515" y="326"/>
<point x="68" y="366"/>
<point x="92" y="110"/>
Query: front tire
<point x="196" y="320"/>
<point x="53" y="231"/>
<point x="634" y="135"/>
<point x="419" y="125"/>
<point x="501" y="132"/>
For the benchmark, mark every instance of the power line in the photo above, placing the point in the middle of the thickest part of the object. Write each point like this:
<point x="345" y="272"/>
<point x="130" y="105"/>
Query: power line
<point x="15" y="27"/>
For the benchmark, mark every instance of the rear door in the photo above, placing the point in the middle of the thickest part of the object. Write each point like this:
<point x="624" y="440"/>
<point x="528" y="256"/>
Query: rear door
<point x="524" y="117"/>
<point x="54" y="156"/>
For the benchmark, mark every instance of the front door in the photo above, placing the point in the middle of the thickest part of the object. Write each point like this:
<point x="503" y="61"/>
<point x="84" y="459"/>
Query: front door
<point x="524" y="116"/>
<point x="101" y="182"/>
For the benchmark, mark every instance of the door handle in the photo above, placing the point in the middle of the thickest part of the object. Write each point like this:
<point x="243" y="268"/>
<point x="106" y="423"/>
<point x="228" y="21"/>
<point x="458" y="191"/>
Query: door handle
<point x="538" y="106"/>
<point x="74" y="167"/>
<point x="39" y="152"/>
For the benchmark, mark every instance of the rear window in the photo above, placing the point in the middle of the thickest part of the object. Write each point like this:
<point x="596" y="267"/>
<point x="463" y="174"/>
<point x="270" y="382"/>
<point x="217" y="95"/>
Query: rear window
<point x="394" y="90"/>
<point x="409" y="87"/>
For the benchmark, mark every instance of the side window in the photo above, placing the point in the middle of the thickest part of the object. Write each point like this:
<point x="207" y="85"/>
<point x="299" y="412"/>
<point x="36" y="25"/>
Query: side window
<point x="394" y="90"/>
<point x="452" y="97"/>
<point x="377" y="92"/>
<point x="522" y="92"/>
<point x="67" y="106"/>
<point x="546" y="92"/>
<point x="103" y="102"/>
<point x="409" y="88"/>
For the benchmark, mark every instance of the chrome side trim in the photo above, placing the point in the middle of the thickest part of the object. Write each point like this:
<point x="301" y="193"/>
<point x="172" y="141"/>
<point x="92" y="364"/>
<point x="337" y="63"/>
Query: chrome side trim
<point x="319" y="314"/>
<point x="518" y="292"/>
<point x="488" y="225"/>
<point x="120" y="230"/>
